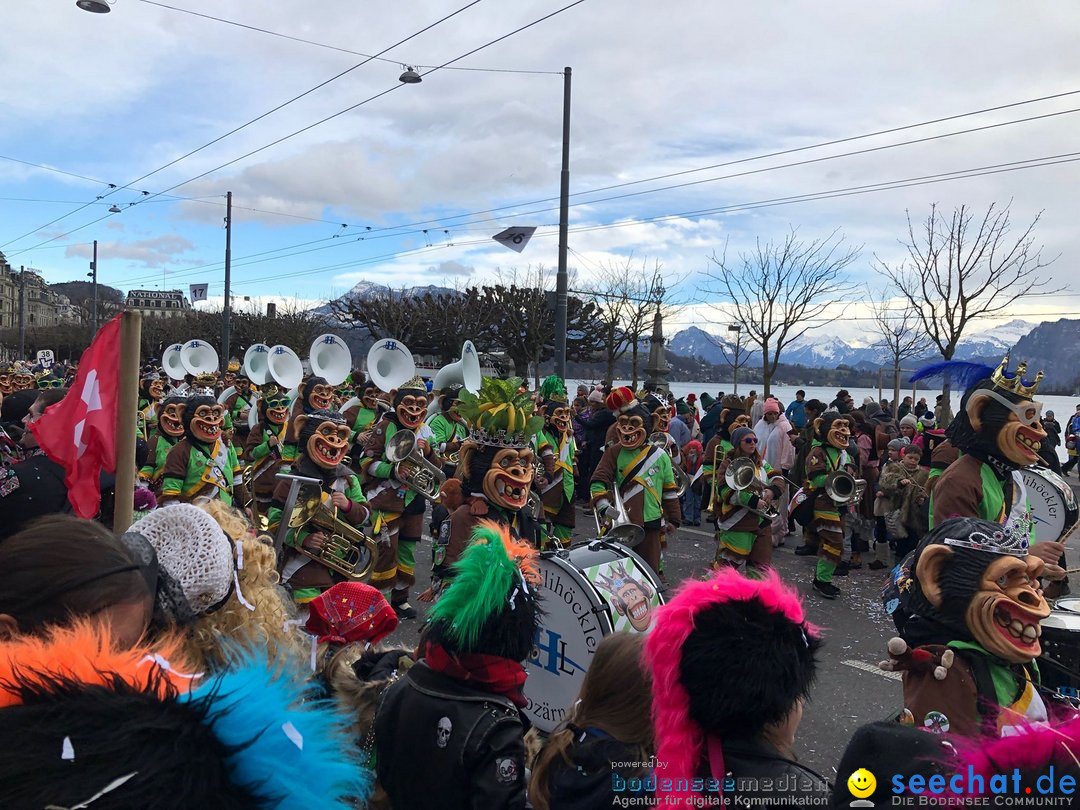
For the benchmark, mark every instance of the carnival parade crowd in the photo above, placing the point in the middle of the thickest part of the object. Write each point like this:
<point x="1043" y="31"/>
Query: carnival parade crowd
<point x="228" y="649"/>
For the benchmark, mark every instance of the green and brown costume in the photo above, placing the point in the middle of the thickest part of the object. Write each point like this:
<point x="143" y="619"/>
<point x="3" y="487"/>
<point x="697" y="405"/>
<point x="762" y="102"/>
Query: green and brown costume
<point x="194" y="470"/>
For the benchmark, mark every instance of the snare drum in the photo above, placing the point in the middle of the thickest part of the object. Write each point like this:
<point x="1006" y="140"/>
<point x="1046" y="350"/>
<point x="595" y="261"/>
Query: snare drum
<point x="588" y="591"/>
<point x="1060" y="640"/>
<point x="1053" y="504"/>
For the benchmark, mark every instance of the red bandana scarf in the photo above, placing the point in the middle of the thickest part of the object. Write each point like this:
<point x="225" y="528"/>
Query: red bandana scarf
<point x="491" y="672"/>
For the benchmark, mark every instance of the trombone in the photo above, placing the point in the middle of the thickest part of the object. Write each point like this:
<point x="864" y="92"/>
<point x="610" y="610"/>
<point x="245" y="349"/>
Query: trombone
<point x="622" y="530"/>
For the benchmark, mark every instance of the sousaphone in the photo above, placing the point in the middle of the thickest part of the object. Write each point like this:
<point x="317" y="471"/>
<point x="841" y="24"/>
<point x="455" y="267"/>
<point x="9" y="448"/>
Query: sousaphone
<point x="330" y="359"/>
<point x="389" y="364"/>
<point x="170" y="361"/>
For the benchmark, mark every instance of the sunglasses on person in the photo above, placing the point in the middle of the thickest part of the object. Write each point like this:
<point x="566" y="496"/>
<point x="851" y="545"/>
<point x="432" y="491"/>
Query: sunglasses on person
<point x="749" y="440"/>
<point x="43" y="384"/>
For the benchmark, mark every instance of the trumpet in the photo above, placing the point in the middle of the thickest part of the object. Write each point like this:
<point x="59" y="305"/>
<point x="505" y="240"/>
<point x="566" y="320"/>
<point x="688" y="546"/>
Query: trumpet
<point x="622" y="529"/>
<point x="411" y="469"/>
<point x="348" y="550"/>
<point x="742" y="475"/>
<point x="659" y="440"/>
<point x="842" y="487"/>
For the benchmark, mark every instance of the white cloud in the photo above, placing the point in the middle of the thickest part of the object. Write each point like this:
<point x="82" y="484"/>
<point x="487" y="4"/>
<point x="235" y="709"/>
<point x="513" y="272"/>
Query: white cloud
<point x="155" y="252"/>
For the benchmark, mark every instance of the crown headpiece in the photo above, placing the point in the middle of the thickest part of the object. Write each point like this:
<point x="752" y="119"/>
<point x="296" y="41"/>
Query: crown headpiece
<point x="498" y="415"/>
<point x="1015" y="382"/>
<point x="234" y="366"/>
<point x="1012" y="539"/>
<point x="414" y="384"/>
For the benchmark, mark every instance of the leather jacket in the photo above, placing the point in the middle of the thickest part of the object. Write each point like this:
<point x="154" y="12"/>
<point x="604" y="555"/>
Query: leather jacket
<point x="444" y="744"/>
<point x="763" y="776"/>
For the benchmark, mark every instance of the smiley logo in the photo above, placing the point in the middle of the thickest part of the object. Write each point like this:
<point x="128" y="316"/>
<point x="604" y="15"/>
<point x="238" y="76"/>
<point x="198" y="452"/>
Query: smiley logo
<point x="861" y="783"/>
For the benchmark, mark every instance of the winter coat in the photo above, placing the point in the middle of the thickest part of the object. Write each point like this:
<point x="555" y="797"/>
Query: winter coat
<point x="775" y="444"/>
<point x="445" y="745"/>
<point x="750" y="763"/>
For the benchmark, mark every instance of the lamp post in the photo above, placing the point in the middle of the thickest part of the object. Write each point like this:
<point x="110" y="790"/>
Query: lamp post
<point x="737" y="329"/>
<point x="93" y="285"/>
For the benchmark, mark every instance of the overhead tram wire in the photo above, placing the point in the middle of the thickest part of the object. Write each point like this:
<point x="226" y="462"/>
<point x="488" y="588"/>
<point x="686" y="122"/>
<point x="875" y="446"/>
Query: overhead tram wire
<point x="233" y="131"/>
<point x="327" y="118"/>
<point x="339" y="49"/>
<point x="379" y="233"/>
<point x="446" y="220"/>
<point x="1052" y="160"/>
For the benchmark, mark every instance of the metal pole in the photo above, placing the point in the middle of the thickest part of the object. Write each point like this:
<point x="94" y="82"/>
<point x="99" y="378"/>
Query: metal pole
<point x="226" y="315"/>
<point x="22" y="312"/>
<point x="126" y="411"/>
<point x="94" y="314"/>
<point x="564" y="223"/>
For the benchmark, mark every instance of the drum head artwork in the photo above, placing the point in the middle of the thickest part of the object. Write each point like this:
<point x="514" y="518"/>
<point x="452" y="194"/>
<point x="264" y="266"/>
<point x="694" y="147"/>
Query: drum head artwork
<point x="1053" y="505"/>
<point x="587" y="593"/>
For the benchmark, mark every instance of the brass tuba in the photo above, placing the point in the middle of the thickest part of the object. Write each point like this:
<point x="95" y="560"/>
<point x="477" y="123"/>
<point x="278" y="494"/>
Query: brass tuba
<point x="348" y="550"/>
<point x="621" y="530"/>
<point x="741" y="475"/>
<point x="659" y="440"/>
<point x="411" y="469"/>
<point x="843" y="488"/>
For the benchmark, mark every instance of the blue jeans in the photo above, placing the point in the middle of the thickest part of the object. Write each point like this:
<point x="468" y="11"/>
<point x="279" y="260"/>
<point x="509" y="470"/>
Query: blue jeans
<point x="691" y="507"/>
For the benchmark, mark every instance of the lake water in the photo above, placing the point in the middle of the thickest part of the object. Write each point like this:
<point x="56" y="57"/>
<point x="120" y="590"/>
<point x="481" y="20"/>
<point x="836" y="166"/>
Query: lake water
<point x="1063" y="407"/>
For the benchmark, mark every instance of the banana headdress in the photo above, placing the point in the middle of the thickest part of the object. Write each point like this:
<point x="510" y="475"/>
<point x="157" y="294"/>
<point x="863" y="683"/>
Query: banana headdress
<point x="499" y="416"/>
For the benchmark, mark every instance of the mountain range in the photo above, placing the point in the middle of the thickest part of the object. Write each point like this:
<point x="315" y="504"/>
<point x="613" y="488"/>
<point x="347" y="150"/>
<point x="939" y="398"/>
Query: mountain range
<point x="828" y="351"/>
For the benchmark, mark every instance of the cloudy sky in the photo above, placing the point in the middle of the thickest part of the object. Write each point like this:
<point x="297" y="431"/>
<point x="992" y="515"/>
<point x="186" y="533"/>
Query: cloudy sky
<point x="659" y="89"/>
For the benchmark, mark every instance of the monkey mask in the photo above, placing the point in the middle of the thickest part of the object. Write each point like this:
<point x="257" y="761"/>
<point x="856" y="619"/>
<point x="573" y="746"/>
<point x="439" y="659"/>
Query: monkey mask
<point x="505" y="479"/>
<point x="22" y="381"/>
<point x="170" y="417"/>
<point x="632" y="427"/>
<point x="410" y="403"/>
<point x="6" y="382"/>
<point x="660" y="410"/>
<point x="833" y="430"/>
<point x="203" y="419"/>
<point x="316" y="394"/>
<point x="324" y="436"/>
<point x="979" y="581"/>
<point x="274" y="407"/>
<point x="151" y="388"/>
<point x="368" y="394"/>
<point x="998" y="420"/>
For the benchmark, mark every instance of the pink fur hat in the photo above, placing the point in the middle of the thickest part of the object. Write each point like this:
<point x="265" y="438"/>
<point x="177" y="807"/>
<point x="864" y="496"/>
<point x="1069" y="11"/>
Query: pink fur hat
<point x="681" y="743"/>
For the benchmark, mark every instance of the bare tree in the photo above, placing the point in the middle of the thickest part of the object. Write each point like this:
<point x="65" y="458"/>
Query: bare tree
<point x="781" y="290"/>
<point x="961" y="269"/>
<point x="900" y="336"/>
<point x="735" y="354"/>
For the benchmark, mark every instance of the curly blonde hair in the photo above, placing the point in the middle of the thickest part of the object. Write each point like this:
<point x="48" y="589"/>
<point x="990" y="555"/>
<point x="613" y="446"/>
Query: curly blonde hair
<point x="213" y="638"/>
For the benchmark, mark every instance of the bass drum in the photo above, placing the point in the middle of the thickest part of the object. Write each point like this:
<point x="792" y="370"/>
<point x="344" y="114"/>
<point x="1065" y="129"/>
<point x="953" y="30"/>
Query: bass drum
<point x="1053" y="504"/>
<point x="1060" y="641"/>
<point x="588" y="591"/>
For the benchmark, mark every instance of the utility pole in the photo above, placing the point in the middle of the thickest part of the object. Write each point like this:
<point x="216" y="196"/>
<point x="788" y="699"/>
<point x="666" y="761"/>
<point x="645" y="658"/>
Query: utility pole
<point x="94" y="312"/>
<point x="22" y="312"/>
<point x="564" y="217"/>
<point x="226" y="315"/>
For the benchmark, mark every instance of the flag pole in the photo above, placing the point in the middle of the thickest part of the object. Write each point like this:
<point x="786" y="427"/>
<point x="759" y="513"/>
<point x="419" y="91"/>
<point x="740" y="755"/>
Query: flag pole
<point x="126" y="415"/>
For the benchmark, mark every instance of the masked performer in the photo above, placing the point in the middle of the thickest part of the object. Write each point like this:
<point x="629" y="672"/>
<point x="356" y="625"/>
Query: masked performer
<point x="558" y="452"/>
<point x="7" y="380"/>
<point x="313" y="394"/>
<point x="828" y="454"/>
<point x="732" y="416"/>
<point x="202" y="465"/>
<point x="743" y="527"/>
<point x="399" y="506"/>
<point x="265" y="441"/>
<point x="997" y="431"/>
<point x="239" y="402"/>
<point x="324" y="442"/>
<point x="495" y="473"/>
<point x="448" y="432"/>
<point x="361" y="411"/>
<point x="151" y="392"/>
<point x="968" y="605"/>
<point x="170" y="430"/>
<point x="644" y="477"/>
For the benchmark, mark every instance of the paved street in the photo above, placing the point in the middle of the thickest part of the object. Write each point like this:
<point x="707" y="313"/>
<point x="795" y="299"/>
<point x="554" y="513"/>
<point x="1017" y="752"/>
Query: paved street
<point x="850" y="690"/>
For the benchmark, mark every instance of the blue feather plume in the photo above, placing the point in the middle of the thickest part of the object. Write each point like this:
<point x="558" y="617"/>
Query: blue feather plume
<point x="293" y="753"/>
<point x="962" y="375"/>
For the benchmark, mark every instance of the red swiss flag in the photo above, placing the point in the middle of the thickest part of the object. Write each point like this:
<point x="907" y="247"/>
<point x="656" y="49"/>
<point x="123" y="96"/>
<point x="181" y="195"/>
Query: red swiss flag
<point x="79" y="431"/>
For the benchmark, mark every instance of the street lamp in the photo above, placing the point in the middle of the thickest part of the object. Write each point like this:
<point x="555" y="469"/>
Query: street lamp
<point x="94" y="6"/>
<point x="737" y="329"/>
<point x="410" y="76"/>
<point x="564" y="226"/>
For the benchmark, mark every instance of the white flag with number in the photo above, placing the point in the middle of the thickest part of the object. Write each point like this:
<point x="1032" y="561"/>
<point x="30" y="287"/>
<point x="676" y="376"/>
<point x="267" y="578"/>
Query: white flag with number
<point x="198" y="292"/>
<point x="515" y="238"/>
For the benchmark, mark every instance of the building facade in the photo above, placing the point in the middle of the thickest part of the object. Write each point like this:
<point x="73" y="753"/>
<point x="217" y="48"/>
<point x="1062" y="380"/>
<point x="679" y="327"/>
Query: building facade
<point x="158" y="303"/>
<point x="42" y="306"/>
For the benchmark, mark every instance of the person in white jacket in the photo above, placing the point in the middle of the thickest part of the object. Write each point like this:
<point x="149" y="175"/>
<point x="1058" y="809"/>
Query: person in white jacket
<point x="772" y="431"/>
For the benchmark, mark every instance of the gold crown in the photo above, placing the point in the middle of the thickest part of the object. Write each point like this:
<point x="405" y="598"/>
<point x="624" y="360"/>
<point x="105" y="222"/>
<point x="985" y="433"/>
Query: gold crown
<point x="234" y="366"/>
<point x="415" y="384"/>
<point x="1015" y="382"/>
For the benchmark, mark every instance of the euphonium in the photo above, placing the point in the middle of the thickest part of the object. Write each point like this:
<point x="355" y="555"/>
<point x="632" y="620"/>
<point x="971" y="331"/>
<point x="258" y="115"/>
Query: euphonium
<point x="411" y="469"/>
<point x="347" y="550"/>
<point x="742" y="474"/>
<point x="659" y="440"/>
<point x="622" y="529"/>
<point x="842" y="487"/>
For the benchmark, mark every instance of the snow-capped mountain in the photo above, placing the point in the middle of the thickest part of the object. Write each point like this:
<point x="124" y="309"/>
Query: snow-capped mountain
<point x="369" y="289"/>
<point x="820" y="349"/>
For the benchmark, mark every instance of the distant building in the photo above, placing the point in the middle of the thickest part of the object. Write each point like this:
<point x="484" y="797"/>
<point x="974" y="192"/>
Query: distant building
<point x="43" y="306"/>
<point x="158" y="303"/>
